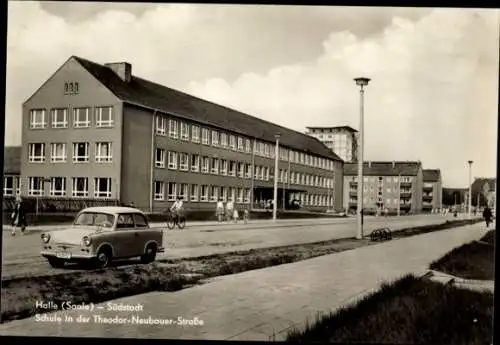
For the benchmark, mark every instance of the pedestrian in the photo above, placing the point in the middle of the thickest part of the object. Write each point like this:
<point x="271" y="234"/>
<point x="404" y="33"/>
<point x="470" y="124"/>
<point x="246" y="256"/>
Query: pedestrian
<point x="19" y="216"/>
<point x="386" y="211"/>
<point x="219" y="210"/>
<point x="235" y="215"/>
<point x="229" y="210"/>
<point x="246" y="216"/>
<point x="487" y="216"/>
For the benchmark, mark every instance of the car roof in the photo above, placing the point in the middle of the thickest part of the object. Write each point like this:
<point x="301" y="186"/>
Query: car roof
<point x="112" y="209"/>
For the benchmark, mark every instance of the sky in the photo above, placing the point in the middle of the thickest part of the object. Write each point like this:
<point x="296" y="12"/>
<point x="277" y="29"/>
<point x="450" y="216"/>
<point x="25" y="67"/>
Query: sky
<point x="433" y="96"/>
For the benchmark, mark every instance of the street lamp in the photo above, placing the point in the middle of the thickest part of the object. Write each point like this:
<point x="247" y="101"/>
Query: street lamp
<point x="470" y="189"/>
<point x="361" y="82"/>
<point x="276" y="168"/>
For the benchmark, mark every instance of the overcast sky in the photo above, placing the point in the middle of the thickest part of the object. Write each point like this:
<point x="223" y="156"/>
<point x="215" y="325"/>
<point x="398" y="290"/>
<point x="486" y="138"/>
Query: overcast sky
<point x="433" y="95"/>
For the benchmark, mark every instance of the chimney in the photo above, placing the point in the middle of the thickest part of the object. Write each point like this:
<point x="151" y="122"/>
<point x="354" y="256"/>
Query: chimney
<point x="393" y="164"/>
<point x="122" y="69"/>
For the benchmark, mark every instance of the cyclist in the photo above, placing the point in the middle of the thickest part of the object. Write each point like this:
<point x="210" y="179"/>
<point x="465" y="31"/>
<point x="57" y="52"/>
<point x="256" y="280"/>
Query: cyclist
<point x="177" y="209"/>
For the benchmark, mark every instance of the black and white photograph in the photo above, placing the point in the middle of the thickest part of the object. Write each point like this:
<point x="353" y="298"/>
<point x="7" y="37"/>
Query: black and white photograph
<point x="250" y="172"/>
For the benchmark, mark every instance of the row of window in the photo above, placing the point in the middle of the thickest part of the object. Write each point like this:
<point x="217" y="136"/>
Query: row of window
<point x="182" y="130"/>
<point x="104" y="117"/>
<point x="380" y="200"/>
<point x="80" y="153"/>
<point x="209" y="165"/>
<point x="380" y="179"/>
<point x="79" y="187"/>
<point x="380" y="190"/>
<point x="208" y="193"/>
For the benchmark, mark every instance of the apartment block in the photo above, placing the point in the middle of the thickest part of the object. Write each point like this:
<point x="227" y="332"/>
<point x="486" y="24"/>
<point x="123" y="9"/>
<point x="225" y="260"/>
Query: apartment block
<point x="390" y="185"/>
<point x="343" y="140"/>
<point x="432" y="194"/>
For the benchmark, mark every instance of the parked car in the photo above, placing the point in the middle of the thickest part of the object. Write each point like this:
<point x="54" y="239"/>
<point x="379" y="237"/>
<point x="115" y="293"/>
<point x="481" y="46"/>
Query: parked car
<point x="101" y="234"/>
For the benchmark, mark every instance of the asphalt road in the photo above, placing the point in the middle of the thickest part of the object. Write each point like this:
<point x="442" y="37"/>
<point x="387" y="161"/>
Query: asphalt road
<point x="20" y="254"/>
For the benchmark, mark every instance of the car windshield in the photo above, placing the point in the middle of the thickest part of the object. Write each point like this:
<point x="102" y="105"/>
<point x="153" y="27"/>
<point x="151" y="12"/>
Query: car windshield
<point x="95" y="219"/>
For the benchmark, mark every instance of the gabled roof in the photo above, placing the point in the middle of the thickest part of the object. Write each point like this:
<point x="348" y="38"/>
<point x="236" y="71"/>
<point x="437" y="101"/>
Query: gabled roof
<point x="431" y="175"/>
<point x="144" y="93"/>
<point x="383" y="168"/>
<point x="12" y="160"/>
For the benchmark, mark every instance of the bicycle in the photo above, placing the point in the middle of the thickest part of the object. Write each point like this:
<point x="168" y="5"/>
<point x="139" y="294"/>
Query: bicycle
<point x="174" y="219"/>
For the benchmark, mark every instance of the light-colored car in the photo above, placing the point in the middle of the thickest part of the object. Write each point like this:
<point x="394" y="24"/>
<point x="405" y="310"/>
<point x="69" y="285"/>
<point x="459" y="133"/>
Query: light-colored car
<point x="101" y="234"/>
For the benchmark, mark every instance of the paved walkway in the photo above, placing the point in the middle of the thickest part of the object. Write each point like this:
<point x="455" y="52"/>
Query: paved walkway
<point x="257" y="304"/>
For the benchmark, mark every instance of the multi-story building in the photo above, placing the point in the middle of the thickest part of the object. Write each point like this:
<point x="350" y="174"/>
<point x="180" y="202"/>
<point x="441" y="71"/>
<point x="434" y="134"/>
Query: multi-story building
<point x="343" y="140"/>
<point x="97" y="131"/>
<point x="432" y="196"/>
<point x="11" y="170"/>
<point x="386" y="185"/>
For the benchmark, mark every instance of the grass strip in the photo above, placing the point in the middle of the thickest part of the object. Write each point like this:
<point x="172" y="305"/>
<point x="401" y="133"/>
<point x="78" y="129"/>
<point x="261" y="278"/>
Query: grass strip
<point x="19" y="295"/>
<point x="474" y="260"/>
<point x="409" y="311"/>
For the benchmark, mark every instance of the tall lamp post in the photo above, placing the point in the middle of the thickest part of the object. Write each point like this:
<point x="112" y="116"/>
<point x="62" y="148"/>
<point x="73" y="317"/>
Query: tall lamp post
<point x="276" y="168"/>
<point x="470" y="190"/>
<point x="361" y="82"/>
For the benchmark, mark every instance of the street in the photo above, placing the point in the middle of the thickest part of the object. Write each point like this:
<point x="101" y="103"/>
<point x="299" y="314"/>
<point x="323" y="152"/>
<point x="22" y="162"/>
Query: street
<point x="21" y="253"/>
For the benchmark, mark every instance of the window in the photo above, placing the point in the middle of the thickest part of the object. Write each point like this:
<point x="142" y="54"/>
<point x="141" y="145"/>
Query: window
<point x="257" y="173"/>
<point x="173" y="131"/>
<point x="104" y="117"/>
<point x="59" y="118"/>
<point x="214" y="193"/>
<point x="140" y="221"/>
<point x="388" y="201"/>
<point x="241" y="146"/>
<point x="195" y="134"/>
<point x="232" y="168"/>
<point x="241" y="170"/>
<point x="183" y="191"/>
<point x="102" y="187"/>
<point x="184" y="161"/>
<point x="81" y="117"/>
<point x="239" y="195"/>
<point x="36" y="153"/>
<point x="223" y="167"/>
<point x="265" y="173"/>
<point x="395" y="179"/>
<point x="215" y="138"/>
<point x="184" y="131"/>
<point x="194" y="192"/>
<point x="248" y="171"/>
<point x="80" y="187"/>
<point x="80" y="152"/>
<point x="58" y="152"/>
<point x="195" y="163"/>
<point x="104" y="152"/>
<point x="160" y="158"/>
<point x="388" y="190"/>
<point x="231" y="192"/>
<point x="204" y="193"/>
<point x="223" y="139"/>
<point x="35" y="187"/>
<point x="266" y="150"/>
<point x="172" y="160"/>
<point x="159" y="193"/>
<point x="57" y="186"/>
<point x="247" y="195"/>
<point x="223" y="193"/>
<point x="232" y="142"/>
<point x="248" y="146"/>
<point x="214" y="166"/>
<point x="125" y="221"/>
<point x="161" y="125"/>
<point x="205" y="165"/>
<point x="261" y="148"/>
<point x="10" y="185"/>
<point x="204" y="136"/>
<point x="172" y="191"/>
<point x="280" y="175"/>
<point x="37" y="119"/>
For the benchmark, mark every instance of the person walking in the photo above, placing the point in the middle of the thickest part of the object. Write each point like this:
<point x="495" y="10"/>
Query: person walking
<point x="19" y="216"/>
<point x="229" y="210"/>
<point x="178" y="209"/>
<point x="487" y="216"/>
<point x="219" y="210"/>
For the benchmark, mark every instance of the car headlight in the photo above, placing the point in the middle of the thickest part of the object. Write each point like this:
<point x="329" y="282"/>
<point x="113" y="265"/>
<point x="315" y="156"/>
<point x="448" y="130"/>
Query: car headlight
<point x="86" y="241"/>
<point x="45" y="238"/>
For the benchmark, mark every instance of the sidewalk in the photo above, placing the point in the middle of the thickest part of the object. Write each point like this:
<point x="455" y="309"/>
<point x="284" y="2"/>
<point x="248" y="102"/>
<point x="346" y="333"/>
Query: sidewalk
<point x="257" y="304"/>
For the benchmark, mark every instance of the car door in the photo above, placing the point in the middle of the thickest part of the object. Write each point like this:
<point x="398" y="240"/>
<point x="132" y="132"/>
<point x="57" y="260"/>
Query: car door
<point x="126" y="236"/>
<point x="142" y="228"/>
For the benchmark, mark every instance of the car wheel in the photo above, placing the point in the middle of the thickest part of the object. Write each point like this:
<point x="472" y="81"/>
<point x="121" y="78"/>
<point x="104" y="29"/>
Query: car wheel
<point x="150" y="254"/>
<point x="56" y="263"/>
<point x="103" y="258"/>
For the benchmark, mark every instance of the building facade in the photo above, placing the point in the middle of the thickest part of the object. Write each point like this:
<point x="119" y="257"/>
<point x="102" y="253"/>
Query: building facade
<point x="11" y="171"/>
<point x="342" y="140"/>
<point x="432" y="196"/>
<point x="97" y="131"/>
<point x="390" y="185"/>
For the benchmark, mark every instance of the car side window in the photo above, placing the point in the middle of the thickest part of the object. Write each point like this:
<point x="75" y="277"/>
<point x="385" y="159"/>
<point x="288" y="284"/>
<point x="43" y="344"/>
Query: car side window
<point x="140" y="221"/>
<point x="125" y="221"/>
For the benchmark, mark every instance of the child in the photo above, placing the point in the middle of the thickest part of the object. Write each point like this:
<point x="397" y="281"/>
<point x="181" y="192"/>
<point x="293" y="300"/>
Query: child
<point x="246" y="215"/>
<point x="235" y="215"/>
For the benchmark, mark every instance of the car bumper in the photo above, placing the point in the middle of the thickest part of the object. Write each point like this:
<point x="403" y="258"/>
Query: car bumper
<point x="72" y="255"/>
